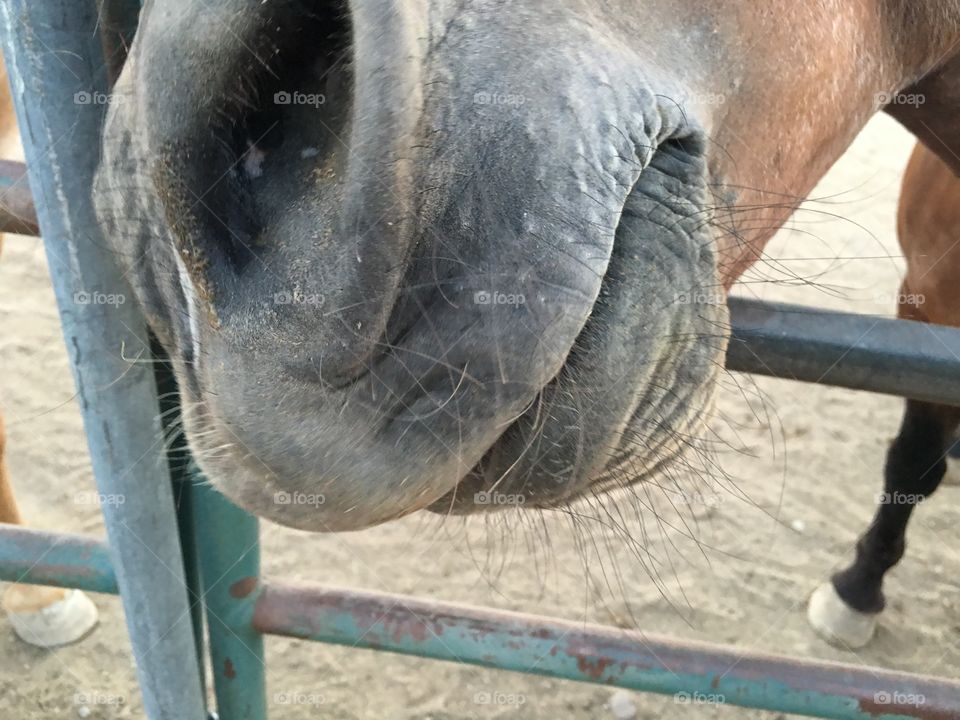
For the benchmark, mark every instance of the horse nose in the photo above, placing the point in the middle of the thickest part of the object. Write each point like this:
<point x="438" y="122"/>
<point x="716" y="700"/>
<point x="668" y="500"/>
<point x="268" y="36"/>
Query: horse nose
<point x="378" y="211"/>
<point x="241" y="54"/>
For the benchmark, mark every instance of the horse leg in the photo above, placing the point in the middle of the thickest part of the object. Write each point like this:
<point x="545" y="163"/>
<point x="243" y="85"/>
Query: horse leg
<point x="845" y="611"/>
<point x="42" y="616"/>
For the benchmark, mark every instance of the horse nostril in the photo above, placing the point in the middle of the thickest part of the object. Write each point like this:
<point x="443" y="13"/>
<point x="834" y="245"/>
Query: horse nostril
<point x="262" y="130"/>
<point x="285" y="161"/>
<point x="235" y="109"/>
<point x="303" y="58"/>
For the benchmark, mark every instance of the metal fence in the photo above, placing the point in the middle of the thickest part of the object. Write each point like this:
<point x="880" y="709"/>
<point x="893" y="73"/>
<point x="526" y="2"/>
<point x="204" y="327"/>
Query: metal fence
<point x="176" y="574"/>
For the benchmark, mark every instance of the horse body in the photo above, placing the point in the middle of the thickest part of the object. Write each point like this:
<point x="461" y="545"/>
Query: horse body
<point x="846" y="611"/>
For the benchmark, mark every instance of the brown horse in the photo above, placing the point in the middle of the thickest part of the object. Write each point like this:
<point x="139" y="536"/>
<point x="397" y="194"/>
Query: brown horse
<point x="42" y="616"/>
<point x="423" y="254"/>
<point x="846" y="611"/>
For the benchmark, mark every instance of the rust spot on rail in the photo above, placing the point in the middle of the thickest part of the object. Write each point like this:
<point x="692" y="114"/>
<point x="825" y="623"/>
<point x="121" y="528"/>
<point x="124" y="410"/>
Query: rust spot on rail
<point x="243" y="587"/>
<point x="593" y="667"/>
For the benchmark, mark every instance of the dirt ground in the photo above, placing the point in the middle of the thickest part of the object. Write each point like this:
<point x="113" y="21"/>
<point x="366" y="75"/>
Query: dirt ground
<point x="802" y="472"/>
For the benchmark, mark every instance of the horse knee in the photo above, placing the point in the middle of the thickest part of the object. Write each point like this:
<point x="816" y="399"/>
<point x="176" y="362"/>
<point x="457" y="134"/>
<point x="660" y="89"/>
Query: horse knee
<point x="916" y="462"/>
<point x="915" y="470"/>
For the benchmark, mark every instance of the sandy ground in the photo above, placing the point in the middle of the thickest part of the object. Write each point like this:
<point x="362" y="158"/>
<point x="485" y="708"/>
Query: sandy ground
<point x="803" y="470"/>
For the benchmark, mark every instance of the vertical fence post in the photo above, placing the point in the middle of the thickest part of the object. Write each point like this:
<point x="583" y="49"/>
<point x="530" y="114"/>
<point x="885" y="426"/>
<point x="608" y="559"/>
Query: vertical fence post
<point x="55" y="63"/>
<point x="228" y="541"/>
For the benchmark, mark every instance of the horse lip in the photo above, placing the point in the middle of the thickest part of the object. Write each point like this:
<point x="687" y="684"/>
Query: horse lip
<point x="481" y="475"/>
<point x="552" y="481"/>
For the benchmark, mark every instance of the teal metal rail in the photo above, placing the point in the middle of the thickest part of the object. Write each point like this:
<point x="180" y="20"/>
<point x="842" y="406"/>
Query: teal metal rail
<point x="36" y="557"/>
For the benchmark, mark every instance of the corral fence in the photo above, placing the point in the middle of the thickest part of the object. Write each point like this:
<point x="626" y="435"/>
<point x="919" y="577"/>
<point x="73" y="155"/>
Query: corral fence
<point x="192" y="565"/>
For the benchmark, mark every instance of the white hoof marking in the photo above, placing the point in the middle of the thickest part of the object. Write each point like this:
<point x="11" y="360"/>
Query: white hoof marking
<point x="838" y="623"/>
<point x="62" y="622"/>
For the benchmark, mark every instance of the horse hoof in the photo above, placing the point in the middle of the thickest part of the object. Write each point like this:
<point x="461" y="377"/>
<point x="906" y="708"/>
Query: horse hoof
<point x="49" y="617"/>
<point x="952" y="476"/>
<point x="838" y="623"/>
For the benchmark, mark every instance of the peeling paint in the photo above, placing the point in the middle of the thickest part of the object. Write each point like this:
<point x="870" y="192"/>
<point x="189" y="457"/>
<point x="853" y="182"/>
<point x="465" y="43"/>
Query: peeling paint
<point x="243" y="587"/>
<point x="593" y="667"/>
<point x="591" y="653"/>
